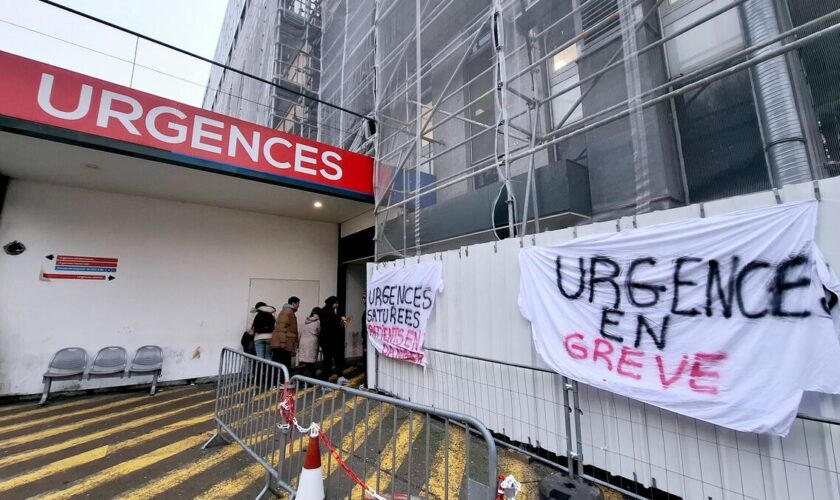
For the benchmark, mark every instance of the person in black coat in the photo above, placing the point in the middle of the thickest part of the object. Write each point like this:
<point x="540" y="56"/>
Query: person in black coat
<point x="332" y="340"/>
<point x="262" y="327"/>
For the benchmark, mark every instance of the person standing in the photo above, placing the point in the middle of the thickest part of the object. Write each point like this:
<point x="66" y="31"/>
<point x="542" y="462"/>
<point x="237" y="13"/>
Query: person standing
<point x="308" y="350"/>
<point x="332" y="340"/>
<point x="262" y="327"/>
<point x="284" y="340"/>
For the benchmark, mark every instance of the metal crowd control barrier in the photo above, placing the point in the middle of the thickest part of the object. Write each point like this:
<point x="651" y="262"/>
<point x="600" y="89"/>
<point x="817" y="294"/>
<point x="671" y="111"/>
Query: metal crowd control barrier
<point x="637" y="450"/>
<point x="393" y="446"/>
<point x="247" y="394"/>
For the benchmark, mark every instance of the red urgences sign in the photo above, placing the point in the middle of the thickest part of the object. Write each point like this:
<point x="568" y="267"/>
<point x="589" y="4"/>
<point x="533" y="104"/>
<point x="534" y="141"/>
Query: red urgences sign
<point x="37" y="92"/>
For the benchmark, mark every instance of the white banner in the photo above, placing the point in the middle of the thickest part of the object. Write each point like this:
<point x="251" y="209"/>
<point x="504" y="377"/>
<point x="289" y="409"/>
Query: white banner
<point x="399" y="302"/>
<point x="725" y="319"/>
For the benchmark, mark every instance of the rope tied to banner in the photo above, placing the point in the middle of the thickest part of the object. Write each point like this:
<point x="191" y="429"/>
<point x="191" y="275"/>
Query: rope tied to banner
<point x="287" y="411"/>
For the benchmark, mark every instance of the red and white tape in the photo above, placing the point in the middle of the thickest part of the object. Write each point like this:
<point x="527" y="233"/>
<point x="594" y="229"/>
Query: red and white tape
<point x="287" y="411"/>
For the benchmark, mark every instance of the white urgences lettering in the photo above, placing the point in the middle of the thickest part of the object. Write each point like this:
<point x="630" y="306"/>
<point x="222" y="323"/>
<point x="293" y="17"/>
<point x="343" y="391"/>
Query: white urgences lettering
<point x="107" y="111"/>
<point x="45" y="102"/>
<point x="199" y="122"/>
<point x="267" y="152"/>
<point x="326" y="159"/>
<point x="252" y="148"/>
<point x="171" y="125"/>
<point x="300" y="159"/>
<point x="179" y="129"/>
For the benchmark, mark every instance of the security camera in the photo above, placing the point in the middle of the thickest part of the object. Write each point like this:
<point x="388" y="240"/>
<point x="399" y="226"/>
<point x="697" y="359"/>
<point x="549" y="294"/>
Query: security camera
<point x="14" y="248"/>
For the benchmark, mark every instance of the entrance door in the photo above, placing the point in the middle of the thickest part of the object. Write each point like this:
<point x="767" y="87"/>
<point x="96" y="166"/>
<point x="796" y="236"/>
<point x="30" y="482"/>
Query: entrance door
<point x="275" y="292"/>
<point x="354" y="308"/>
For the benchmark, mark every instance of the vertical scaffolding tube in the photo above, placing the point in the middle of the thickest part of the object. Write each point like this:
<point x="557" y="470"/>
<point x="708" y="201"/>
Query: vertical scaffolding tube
<point x="502" y="118"/>
<point x="533" y="119"/>
<point x="418" y="146"/>
<point x="341" y="123"/>
<point x="531" y="181"/>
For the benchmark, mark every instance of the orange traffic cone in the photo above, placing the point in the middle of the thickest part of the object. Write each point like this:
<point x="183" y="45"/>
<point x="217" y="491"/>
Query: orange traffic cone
<point x="311" y="481"/>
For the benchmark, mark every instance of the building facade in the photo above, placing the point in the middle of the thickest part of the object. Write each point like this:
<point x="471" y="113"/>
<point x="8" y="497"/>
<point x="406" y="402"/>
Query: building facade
<point x="526" y="115"/>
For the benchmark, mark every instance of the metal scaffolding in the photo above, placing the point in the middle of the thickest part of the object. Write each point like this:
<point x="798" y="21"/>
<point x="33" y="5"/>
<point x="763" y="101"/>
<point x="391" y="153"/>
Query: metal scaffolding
<point x="297" y="65"/>
<point x="502" y="117"/>
<point x="498" y="118"/>
<point x="347" y="76"/>
<point x="291" y="46"/>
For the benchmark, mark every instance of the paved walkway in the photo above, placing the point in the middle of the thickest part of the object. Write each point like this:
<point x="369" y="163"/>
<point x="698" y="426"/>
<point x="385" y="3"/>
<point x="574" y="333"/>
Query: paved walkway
<point x="133" y="446"/>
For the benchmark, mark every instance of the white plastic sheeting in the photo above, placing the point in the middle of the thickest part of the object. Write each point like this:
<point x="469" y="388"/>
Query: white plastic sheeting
<point x="477" y="315"/>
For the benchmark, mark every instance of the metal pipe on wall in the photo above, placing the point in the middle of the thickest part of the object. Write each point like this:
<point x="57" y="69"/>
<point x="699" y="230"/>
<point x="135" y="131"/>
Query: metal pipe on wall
<point x="784" y="141"/>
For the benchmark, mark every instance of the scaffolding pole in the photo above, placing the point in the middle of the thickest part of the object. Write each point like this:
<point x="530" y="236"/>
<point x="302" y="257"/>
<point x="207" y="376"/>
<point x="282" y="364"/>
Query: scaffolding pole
<point x="502" y="118"/>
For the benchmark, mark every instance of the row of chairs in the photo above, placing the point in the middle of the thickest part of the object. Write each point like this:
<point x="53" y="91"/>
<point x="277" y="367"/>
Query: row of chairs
<point x="71" y="363"/>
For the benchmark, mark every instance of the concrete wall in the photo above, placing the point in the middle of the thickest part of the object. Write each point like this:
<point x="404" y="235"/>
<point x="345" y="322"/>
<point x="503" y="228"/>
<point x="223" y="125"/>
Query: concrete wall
<point x="182" y="283"/>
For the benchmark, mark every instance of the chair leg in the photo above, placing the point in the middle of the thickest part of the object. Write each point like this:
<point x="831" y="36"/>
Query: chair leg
<point x="154" y="384"/>
<point x="46" y="393"/>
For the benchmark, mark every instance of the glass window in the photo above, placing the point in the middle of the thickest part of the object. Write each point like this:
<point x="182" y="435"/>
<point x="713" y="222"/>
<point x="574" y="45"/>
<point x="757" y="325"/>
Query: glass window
<point x="565" y="57"/>
<point x="426" y="150"/>
<point x="562" y="104"/>
<point x="706" y="43"/>
<point x="565" y="79"/>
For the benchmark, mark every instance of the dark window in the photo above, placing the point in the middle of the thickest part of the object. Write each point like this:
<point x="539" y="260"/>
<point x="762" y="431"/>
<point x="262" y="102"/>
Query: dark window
<point x="721" y="142"/>
<point x="482" y="114"/>
<point x="822" y="72"/>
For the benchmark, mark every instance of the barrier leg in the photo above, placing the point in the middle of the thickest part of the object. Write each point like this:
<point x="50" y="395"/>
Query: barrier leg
<point x="266" y="491"/>
<point x="217" y="439"/>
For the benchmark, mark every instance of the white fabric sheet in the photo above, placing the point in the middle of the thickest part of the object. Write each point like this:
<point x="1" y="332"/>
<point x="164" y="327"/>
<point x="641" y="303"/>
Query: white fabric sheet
<point x="724" y="319"/>
<point x="399" y="302"/>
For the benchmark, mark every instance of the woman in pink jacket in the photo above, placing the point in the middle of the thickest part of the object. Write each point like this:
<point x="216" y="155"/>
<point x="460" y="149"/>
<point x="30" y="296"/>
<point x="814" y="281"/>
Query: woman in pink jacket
<point x="308" y="349"/>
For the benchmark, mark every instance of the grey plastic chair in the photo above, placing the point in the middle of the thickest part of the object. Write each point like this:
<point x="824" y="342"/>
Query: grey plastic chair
<point x="67" y="364"/>
<point x="109" y="362"/>
<point x="148" y="360"/>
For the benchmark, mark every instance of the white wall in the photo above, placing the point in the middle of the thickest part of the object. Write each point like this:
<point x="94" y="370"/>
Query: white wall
<point x="182" y="282"/>
<point x="477" y="314"/>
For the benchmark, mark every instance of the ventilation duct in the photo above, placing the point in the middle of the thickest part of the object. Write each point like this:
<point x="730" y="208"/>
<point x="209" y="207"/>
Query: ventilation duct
<point x="781" y="127"/>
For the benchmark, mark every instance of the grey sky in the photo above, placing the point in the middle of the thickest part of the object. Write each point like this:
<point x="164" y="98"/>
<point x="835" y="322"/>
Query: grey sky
<point x="35" y="30"/>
